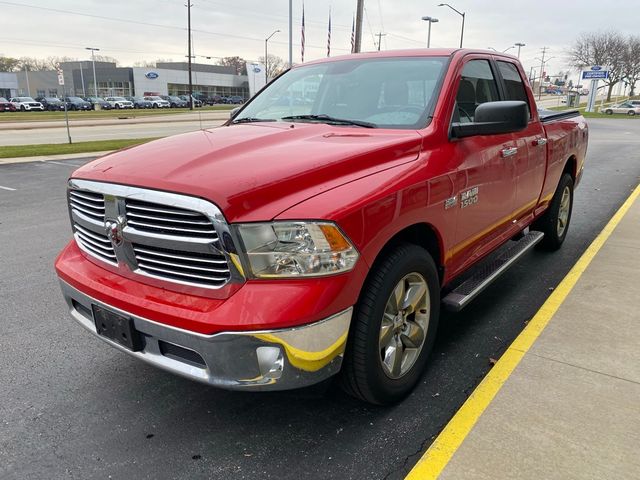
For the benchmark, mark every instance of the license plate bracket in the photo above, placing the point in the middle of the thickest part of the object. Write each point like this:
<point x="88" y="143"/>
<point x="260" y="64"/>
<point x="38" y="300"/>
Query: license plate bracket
<point x="117" y="328"/>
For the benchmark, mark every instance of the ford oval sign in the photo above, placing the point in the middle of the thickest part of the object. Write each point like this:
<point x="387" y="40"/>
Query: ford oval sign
<point x="256" y="69"/>
<point x="596" y="68"/>
<point x="151" y="75"/>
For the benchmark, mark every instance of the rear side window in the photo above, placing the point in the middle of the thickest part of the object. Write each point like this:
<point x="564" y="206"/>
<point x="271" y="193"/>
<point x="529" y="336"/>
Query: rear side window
<point x="477" y="85"/>
<point x="513" y="83"/>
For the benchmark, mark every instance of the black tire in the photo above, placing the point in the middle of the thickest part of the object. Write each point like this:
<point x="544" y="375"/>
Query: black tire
<point x="631" y="113"/>
<point x="608" y="112"/>
<point x="22" y="108"/>
<point x="155" y="105"/>
<point x="548" y="222"/>
<point x="362" y="373"/>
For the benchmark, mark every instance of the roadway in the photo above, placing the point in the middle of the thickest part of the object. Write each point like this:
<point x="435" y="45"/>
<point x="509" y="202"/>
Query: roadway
<point x="72" y="407"/>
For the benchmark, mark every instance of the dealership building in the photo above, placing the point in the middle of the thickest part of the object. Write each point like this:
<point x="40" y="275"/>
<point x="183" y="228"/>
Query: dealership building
<point x="168" y="78"/>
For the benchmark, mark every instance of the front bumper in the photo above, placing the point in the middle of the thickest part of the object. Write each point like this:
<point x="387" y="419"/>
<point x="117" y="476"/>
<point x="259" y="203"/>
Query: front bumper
<point x="258" y="360"/>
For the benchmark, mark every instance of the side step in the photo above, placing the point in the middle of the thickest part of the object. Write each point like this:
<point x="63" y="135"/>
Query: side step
<point x="464" y="293"/>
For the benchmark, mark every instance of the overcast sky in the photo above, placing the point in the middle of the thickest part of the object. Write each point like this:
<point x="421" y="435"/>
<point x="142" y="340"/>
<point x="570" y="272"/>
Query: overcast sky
<point x="239" y="27"/>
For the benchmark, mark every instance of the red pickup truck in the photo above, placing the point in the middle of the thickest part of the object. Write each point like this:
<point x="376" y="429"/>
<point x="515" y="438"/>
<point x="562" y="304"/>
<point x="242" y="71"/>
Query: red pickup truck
<point x="320" y="230"/>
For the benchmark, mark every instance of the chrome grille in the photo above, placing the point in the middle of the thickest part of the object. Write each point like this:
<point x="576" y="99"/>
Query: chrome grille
<point x="168" y="220"/>
<point x="97" y="244"/>
<point x="158" y="237"/>
<point x="90" y="204"/>
<point x="191" y="267"/>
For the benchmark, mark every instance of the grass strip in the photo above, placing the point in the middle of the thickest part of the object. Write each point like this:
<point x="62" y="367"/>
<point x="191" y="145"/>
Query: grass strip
<point x="14" y="151"/>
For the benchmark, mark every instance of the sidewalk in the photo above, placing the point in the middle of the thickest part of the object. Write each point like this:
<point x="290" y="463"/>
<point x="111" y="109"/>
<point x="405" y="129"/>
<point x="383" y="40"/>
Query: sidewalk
<point x="127" y="118"/>
<point x="47" y="158"/>
<point x="563" y="402"/>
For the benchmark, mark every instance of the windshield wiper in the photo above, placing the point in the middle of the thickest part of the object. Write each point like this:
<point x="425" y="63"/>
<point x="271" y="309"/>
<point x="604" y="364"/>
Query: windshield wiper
<point x="252" y="120"/>
<point x="329" y="119"/>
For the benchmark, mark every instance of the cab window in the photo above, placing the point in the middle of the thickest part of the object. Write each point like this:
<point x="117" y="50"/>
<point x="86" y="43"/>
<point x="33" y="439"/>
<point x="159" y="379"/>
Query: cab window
<point x="513" y="83"/>
<point x="477" y="85"/>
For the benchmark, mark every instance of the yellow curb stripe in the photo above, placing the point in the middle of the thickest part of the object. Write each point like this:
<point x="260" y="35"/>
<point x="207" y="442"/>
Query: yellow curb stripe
<point x="445" y="445"/>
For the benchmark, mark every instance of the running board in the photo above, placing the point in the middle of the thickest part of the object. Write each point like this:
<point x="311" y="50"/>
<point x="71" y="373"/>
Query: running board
<point x="464" y="293"/>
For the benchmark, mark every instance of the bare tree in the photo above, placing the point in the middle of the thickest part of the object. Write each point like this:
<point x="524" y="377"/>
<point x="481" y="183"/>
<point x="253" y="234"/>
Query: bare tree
<point x="275" y="66"/>
<point x="33" y="64"/>
<point x="145" y="64"/>
<point x="600" y="48"/>
<point x="632" y="63"/>
<point x="237" y="63"/>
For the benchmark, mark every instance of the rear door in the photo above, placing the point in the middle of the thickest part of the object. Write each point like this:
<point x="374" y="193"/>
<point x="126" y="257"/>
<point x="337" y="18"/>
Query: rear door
<point x="530" y="157"/>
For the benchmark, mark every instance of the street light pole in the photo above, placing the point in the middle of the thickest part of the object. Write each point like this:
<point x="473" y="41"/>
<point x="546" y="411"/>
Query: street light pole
<point x="430" y="20"/>
<point x="93" y="60"/>
<point x="84" y="92"/>
<point x="462" y="14"/>
<point x="189" y="5"/>
<point x="519" y="45"/>
<point x="266" y="57"/>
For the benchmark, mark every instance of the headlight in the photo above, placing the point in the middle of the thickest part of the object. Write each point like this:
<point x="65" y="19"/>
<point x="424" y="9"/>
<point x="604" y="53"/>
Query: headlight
<point x="296" y="249"/>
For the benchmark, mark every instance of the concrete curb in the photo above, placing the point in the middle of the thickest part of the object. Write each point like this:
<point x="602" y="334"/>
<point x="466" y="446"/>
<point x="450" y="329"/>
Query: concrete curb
<point x="45" y="158"/>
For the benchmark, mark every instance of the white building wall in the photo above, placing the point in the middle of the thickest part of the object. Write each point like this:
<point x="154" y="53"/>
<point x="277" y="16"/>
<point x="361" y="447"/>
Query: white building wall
<point x="160" y="84"/>
<point x="8" y="81"/>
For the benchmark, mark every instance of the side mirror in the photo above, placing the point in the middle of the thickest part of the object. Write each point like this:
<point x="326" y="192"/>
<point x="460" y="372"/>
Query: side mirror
<point x="234" y="112"/>
<point x="492" y="118"/>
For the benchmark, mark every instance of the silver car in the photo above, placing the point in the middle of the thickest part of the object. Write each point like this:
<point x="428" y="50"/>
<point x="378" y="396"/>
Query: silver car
<point x="627" y="108"/>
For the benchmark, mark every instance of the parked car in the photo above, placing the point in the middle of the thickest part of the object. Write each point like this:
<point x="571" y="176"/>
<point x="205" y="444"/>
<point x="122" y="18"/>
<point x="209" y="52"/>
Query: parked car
<point x="139" y="102"/>
<point x="6" y="105"/>
<point x="51" y="103"/>
<point x="257" y="258"/>
<point x="77" y="103"/>
<point x="101" y="102"/>
<point x="157" y="102"/>
<point x="196" y="103"/>
<point x="214" y="100"/>
<point x="236" y="100"/>
<point x="635" y="103"/>
<point x="26" y="104"/>
<point x="119" y="102"/>
<point x="627" y="108"/>
<point x="174" y="102"/>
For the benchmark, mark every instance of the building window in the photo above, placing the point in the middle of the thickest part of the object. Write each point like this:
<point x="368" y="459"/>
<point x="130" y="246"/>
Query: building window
<point x="40" y="93"/>
<point x="53" y="92"/>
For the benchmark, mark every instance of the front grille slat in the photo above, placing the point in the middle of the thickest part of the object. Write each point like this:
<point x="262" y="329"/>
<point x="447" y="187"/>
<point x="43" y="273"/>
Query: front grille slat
<point x="191" y="258"/>
<point x="189" y="276"/>
<point x="142" y="258"/>
<point x="166" y="219"/>
<point x="175" y="242"/>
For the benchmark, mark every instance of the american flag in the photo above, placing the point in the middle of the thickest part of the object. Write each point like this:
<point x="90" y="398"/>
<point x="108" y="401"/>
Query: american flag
<point x="329" y="36"/>
<point x="353" y="35"/>
<point x="302" y="36"/>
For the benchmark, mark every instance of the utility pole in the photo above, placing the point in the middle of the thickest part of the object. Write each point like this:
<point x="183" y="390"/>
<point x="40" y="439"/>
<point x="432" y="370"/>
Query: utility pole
<point x="266" y="57"/>
<point x="359" y="18"/>
<point x="93" y="61"/>
<point x="544" y="52"/>
<point x="380" y="35"/>
<point x="189" y="5"/>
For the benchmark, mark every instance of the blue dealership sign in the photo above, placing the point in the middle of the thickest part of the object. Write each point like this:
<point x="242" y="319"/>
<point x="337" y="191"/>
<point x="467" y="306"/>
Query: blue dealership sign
<point x="595" y="75"/>
<point x="256" y="70"/>
<point x="151" y="75"/>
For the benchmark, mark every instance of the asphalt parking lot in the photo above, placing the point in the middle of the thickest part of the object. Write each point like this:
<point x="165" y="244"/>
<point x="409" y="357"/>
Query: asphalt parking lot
<point x="72" y="407"/>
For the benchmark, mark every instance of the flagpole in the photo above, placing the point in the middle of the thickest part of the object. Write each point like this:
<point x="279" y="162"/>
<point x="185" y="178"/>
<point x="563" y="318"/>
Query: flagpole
<point x="329" y="36"/>
<point x="290" y="33"/>
<point x="302" y="37"/>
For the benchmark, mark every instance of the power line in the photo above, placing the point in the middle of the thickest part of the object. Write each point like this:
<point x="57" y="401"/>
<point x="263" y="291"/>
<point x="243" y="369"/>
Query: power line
<point x="158" y="25"/>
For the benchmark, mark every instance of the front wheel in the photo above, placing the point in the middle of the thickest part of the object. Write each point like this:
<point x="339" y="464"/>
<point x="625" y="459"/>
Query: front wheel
<point x="631" y="113"/>
<point x="555" y="221"/>
<point x="608" y="112"/>
<point x="393" y="327"/>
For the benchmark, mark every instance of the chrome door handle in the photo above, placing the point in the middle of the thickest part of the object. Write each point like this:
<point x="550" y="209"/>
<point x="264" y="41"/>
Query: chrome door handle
<point x="540" y="142"/>
<point x="508" y="152"/>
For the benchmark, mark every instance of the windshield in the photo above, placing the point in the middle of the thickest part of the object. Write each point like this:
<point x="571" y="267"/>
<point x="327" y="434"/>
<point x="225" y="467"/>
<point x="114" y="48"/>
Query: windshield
<point x="75" y="99"/>
<point x="2" y="99"/>
<point x="119" y="99"/>
<point x="25" y="99"/>
<point x="385" y="92"/>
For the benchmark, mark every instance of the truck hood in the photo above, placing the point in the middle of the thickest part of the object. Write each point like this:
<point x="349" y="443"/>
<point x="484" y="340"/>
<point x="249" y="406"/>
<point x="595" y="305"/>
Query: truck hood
<point x="255" y="171"/>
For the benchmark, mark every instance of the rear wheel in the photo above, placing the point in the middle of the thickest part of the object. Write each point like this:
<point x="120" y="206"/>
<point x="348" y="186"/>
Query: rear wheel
<point x="631" y="113"/>
<point x="393" y="328"/>
<point x="608" y="112"/>
<point x="555" y="221"/>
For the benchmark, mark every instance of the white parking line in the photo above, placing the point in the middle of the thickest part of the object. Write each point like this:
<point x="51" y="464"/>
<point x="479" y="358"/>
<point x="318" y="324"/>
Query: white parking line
<point x="7" y="188"/>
